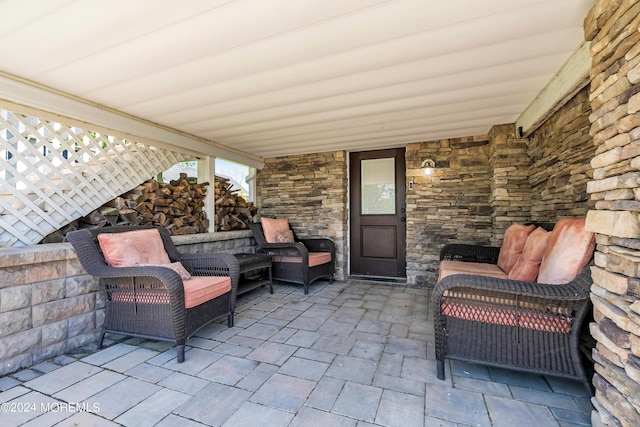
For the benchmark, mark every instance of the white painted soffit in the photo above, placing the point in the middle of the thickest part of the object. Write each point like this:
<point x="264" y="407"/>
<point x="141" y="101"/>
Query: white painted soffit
<point x="17" y="91"/>
<point x="280" y="77"/>
<point x="572" y="77"/>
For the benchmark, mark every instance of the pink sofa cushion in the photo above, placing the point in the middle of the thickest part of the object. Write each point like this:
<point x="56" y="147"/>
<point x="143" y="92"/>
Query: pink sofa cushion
<point x="133" y="247"/>
<point x="547" y="322"/>
<point x="448" y="268"/>
<point x="274" y="229"/>
<point x="514" y="239"/>
<point x="569" y="250"/>
<point x="528" y="265"/>
<point x="315" y="258"/>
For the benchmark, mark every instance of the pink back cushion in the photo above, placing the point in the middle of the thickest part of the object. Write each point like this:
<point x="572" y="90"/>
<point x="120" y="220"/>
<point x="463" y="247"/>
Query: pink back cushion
<point x="514" y="239"/>
<point x="528" y="265"/>
<point x="133" y="247"/>
<point x="569" y="250"/>
<point x="274" y="227"/>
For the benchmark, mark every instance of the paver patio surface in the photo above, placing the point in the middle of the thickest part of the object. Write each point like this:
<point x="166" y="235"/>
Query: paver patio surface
<point x="350" y="353"/>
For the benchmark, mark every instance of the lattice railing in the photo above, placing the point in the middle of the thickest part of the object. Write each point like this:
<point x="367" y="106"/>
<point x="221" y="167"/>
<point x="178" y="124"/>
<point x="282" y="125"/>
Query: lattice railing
<point x="54" y="171"/>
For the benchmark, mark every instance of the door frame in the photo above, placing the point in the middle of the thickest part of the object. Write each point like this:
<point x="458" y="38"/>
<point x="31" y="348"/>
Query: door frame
<point x="401" y="176"/>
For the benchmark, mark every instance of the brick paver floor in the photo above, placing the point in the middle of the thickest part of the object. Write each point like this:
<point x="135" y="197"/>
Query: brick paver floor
<point x="348" y="354"/>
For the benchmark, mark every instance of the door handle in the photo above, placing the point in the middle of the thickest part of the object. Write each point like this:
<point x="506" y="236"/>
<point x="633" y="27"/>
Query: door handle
<point x="403" y="219"/>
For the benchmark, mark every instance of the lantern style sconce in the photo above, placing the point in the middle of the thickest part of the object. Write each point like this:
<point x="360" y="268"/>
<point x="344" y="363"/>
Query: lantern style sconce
<point x="428" y="165"/>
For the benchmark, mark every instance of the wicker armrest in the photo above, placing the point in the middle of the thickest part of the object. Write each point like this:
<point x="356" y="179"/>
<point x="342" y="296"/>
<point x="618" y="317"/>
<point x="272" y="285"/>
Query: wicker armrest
<point x="319" y="245"/>
<point x="470" y="253"/>
<point x="211" y="264"/>
<point x="295" y="249"/>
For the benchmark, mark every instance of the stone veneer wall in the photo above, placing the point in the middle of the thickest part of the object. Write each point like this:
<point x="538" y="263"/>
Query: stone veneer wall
<point x="510" y="187"/>
<point x="612" y="26"/>
<point x="309" y="190"/>
<point x="559" y="153"/>
<point x="483" y="184"/>
<point x="451" y="206"/>
<point x="50" y="306"/>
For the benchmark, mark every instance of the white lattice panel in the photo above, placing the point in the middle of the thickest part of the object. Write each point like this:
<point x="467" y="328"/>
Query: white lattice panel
<point x="53" y="171"/>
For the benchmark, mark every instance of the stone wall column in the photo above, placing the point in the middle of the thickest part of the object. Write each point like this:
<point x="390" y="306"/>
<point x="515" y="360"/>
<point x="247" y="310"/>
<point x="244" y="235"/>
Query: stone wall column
<point x="450" y="206"/>
<point x="612" y="26"/>
<point x="311" y="191"/>
<point x="510" y="188"/>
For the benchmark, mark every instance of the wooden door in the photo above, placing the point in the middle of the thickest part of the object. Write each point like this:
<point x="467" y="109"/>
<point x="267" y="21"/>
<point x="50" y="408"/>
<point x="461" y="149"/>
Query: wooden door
<point x="378" y="220"/>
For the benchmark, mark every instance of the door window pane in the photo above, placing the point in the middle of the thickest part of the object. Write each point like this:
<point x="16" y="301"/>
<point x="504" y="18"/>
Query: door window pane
<point x="378" y="186"/>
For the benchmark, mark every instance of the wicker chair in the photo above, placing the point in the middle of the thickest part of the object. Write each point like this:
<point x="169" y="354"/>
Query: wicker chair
<point x="290" y="261"/>
<point x="526" y="326"/>
<point x="149" y="301"/>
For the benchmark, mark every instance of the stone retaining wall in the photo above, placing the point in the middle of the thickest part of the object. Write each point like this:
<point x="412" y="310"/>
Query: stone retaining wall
<point x="49" y="305"/>
<point x="612" y="26"/>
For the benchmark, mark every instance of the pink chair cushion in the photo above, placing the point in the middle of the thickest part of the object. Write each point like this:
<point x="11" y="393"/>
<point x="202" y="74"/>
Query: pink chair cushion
<point x="315" y="258"/>
<point x="514" y="239"/>
<point x="273" y="228"/>
<point x="569" y="250"/>
<point x="133" y="247"/>
<point x="196" y="291"/>
<point x="448" y="268"/>
<point x="528" y="265"/>
<point x="318" y="258"/>
<point x="204" y="288"/>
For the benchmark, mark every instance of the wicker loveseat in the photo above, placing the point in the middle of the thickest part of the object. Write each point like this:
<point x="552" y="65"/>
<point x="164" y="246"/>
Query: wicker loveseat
<point x="150" y="289"/>
<point x="485" y="315"/>
<point x="294" y="260"/>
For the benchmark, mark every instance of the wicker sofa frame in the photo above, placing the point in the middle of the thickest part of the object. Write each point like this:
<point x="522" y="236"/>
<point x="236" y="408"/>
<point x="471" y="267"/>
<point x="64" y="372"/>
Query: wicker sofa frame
<point x="511" y="324"/>
<point x="149" y="301"/>
<point x="296" y="272"/>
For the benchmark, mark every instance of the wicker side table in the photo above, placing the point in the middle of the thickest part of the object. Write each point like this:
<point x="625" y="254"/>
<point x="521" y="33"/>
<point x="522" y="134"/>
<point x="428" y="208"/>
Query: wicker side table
<point x="253" y="262"/>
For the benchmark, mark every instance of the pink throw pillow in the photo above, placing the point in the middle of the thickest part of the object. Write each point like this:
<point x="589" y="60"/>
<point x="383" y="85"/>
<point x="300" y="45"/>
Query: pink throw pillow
<point x="528" y="265"/>
<point x="514" y="239"/>
<point x="284" y="236"/>
<point x="175" y="266"/>
<point x="133" y="247"/>
<point x="272" y="227"/>
<point x="569" y="250"/>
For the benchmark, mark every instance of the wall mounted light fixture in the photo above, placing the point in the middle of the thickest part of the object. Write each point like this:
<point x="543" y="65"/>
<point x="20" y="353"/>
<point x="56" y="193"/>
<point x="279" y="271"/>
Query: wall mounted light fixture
<point x="428" y="165"/>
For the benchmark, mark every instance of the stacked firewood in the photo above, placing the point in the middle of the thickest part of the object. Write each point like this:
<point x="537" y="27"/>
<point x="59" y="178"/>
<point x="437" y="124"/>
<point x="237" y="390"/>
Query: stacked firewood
<point x="178" y="206"/>
<point x="233" y="212"/>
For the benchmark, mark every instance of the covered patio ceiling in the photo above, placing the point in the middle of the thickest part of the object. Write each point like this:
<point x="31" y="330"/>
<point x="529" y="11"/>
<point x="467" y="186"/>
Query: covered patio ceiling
<point x="282" y="77"/>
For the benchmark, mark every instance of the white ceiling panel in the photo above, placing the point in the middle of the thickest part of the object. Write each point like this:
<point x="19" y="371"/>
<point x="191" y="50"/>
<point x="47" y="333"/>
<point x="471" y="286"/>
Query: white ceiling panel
<point x="280" y="77"/>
